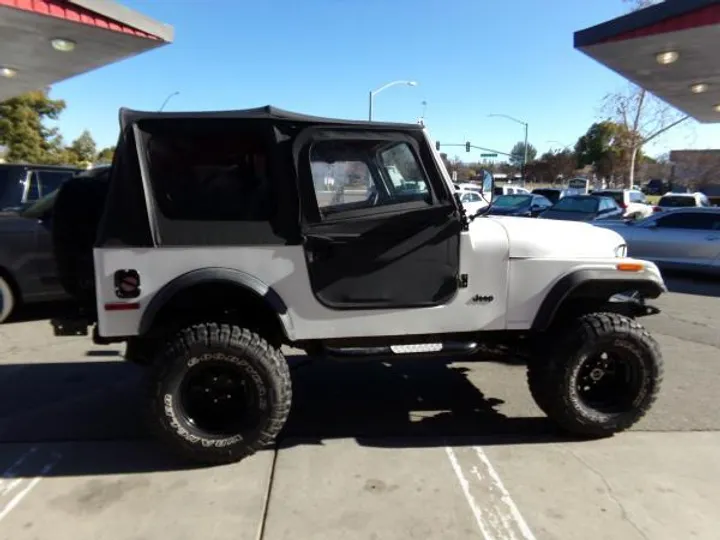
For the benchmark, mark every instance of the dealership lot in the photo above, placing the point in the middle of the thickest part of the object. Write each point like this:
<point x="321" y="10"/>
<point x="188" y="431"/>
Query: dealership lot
<point x="373" y="450"/>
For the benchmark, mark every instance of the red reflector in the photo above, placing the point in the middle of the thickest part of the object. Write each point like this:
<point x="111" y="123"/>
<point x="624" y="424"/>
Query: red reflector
<point x="121" y="306"/>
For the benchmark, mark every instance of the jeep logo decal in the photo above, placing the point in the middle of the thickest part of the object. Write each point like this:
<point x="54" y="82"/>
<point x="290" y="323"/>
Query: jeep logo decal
<point x="479" y="299"/>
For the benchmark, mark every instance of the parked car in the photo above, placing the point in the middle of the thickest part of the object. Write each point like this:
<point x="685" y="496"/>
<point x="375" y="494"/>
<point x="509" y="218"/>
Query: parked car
<point x="509" y="189"/>
<point x="519" y="205"/>
<point x="552" y="194"/>
<point x="670" y="201"/>
<point x="656" y="186"/>
<point x="583" y="208"/>
<point x="23" y="184"/>
<point x="472" y="200"/>
<point x="682" y="239"/>
<point x="28" y="270"/>
<point x="633" y="202"/>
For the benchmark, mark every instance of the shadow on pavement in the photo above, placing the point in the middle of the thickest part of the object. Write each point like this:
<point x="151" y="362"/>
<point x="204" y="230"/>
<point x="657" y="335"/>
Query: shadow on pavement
<point x="40" y="311"/>
<point x="687" y="283"/>
<point x="403" y="403"/>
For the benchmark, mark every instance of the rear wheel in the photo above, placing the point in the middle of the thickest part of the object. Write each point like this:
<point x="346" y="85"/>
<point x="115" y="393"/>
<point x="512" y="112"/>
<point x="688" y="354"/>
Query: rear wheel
<point x="601" y="377"/>
<point x="219" y="393"/>
<point x="7" y="299"/>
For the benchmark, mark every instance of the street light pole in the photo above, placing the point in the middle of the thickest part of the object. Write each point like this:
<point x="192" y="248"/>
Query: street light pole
<point x="373" y="93"/>
<point x="170" y="96"/>
<point x="525" y="124"/>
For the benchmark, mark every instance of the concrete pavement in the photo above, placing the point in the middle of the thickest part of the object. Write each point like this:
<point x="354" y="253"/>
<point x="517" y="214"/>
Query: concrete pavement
<point x="399" y="450"/>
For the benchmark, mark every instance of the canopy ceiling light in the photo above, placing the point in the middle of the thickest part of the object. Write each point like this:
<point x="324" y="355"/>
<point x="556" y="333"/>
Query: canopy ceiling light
<point x="699" y="88"/>
<point x="62" y="44"/>
<point x="7" y="72"/>
<point x="667" y="57"/>
<point x="717" y="107"/>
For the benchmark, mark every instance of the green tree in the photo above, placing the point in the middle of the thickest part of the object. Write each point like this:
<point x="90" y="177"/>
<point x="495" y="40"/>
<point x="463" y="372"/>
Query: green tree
<point x="82" y="151"/>
<point x="22" y="130"/>
<point x="106" y="154"/>
<point x="517" y="154"/>
<point x="601" y="148"/>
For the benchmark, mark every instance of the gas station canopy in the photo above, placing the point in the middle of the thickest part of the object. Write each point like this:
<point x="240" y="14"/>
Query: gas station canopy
<point x="46" y="41"/>
<point x="670" y="49"/>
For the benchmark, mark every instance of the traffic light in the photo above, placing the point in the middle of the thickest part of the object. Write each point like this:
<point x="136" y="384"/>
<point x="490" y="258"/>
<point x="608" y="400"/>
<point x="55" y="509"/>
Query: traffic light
<point x="467" y="146"/>
<point x="437" y="145"/>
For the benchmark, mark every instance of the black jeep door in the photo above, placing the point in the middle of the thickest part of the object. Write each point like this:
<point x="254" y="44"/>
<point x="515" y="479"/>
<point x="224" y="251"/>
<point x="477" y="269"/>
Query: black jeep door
<point x="380" y="229"/>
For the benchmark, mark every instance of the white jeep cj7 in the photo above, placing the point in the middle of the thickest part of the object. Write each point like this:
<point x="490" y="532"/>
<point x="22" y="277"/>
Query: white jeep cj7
<point x="212" y="241"/>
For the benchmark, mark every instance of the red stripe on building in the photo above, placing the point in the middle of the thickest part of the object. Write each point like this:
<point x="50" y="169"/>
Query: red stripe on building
<point x="62" y="9"/>
<point x="706" y="16"/>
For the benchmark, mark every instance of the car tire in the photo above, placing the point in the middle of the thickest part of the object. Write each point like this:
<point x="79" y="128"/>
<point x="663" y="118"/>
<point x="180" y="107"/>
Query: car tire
<point x="7" y="299"/>
<point x="219" y="393"/>
<point x="601" y="377"/>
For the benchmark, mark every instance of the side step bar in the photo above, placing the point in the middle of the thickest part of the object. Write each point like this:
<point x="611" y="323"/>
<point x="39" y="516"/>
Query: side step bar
<point x="440" y="349"/>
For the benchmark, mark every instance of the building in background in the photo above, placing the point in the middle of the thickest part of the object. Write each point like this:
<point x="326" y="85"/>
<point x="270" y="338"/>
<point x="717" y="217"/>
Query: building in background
<point x="699" y="169"/>
<point x="48" y="41"/>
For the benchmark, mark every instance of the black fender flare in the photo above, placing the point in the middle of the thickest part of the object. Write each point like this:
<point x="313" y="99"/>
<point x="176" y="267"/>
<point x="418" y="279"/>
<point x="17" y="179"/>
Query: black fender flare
<point x="216" y="275"/>
<point x="602" y="284"/>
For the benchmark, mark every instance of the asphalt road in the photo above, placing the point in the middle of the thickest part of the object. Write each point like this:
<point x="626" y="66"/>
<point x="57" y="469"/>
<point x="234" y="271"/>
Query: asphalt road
<point x="425" y="449"/>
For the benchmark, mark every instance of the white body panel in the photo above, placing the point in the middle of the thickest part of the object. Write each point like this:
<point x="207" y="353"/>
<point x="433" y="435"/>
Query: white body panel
<point x="515" y="261"/>
<point x="285" y="270"/>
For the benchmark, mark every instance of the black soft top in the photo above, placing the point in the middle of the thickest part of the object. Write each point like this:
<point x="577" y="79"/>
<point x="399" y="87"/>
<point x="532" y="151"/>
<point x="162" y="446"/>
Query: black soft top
<point x="268" y="112"/>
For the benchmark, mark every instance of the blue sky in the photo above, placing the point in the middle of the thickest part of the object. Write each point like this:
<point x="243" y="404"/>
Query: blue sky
<point x="470" y="58"/>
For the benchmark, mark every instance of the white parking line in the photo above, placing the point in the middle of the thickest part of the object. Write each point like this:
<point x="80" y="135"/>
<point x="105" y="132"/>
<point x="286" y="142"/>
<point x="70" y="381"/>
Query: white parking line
<point x="495" y="512"/>
<point x="11" y="479"/>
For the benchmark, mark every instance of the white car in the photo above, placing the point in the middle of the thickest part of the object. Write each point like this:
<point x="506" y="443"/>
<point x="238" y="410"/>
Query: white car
<point x="682" y="200"/>
<point x="633" y="202"/>
<point x="472" y="200"/>
<point x="509" y="189"/>
<point x="207" y="280"/>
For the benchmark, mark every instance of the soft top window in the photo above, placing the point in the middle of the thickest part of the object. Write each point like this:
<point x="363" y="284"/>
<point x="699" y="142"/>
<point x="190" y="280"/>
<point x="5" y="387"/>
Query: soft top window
<point x="364" y="174"/>
<point x="210" y="175"/>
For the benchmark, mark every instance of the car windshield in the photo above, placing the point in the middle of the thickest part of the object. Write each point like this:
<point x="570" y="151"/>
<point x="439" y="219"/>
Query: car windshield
<point x="551" y="194"/>
<point x="512" y="201"/>
<point x="577" y="204"/>
<point x="617" y="195"/>
<point x="676" y="202"/>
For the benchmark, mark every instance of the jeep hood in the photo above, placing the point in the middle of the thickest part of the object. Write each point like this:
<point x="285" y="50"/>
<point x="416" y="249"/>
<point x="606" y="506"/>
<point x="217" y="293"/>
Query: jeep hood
<point x="529" y="237"/>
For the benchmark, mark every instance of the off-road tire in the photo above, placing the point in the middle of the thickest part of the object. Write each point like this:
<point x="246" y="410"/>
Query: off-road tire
<point x="239" y="349"/>
<point x="7" y="299"/>
<point x="553" y="373"/>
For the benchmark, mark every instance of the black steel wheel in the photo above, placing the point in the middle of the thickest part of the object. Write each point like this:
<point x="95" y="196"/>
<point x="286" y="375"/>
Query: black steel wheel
<point x="219" y="393"/>
<point x="602" y="375"/>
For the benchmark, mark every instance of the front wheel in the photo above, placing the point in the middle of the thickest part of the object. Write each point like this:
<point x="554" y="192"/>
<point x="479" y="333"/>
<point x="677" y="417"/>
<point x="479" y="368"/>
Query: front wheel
<point x="601" y="377"/>
<point x="219" y="393"/>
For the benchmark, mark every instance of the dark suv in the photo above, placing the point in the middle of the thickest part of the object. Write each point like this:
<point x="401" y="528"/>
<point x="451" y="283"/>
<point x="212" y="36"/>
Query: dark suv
<point x="22" y="184"/>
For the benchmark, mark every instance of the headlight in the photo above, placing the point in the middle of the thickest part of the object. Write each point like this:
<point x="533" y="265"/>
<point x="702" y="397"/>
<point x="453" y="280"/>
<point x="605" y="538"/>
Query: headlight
<point x="621" y="251"/>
